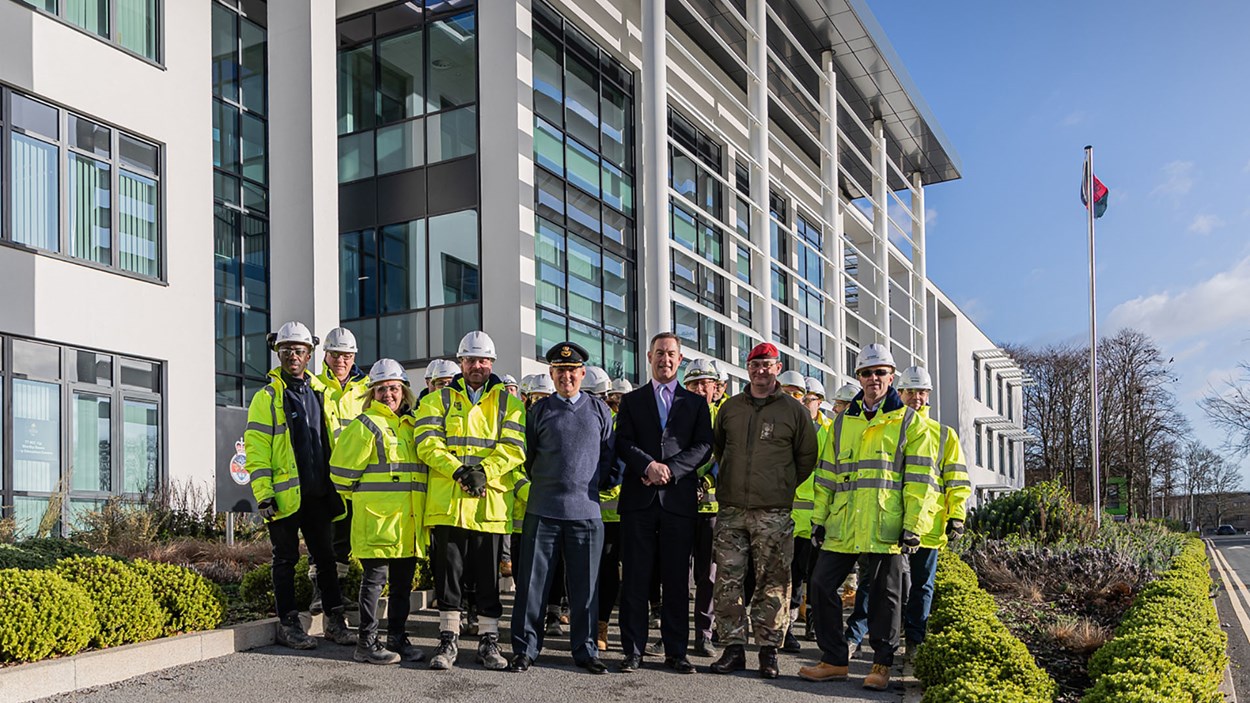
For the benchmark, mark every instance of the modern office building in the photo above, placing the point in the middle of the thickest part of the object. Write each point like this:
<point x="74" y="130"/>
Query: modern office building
<point x="178" y="178"/>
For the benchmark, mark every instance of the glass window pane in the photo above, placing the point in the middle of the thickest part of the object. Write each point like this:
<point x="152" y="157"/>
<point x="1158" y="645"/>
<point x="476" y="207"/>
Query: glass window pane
<point x="366" y="332"/>
<point x="141" y="375"/>
<point x="229" y="338"/>
<point x="141" y="447"/>
<point x="616" y="226"/>
<point x="35" y="359"/>
<point x="583" y="167"/>
<point x="399" y="17"/>
<point x="136" y="26"/>
<point x="614" y="357"/>
<point x="686" y="325"/>
<point x="549" y="260"/>
<point x="548" y="146"/>
<point x="138" y="242"/>
<point x="401" y="63"/>
<point x="551" y="331"/>
<point x="35" y="117"/>
<point x="356" y="94"/>
<point x="252" y="142"/>
<point x="229" y="390"/>
<point x="90" y="137"/>
<point x="618" y="188"/>
<point x="710" y="243"/>
<point x="33" y="189"/>
<point x="684" y="231"/>
<point x="581" y="112"/>
<point x="226" y="259"/>
<point x="401" y="260"/>
<point x="90" y="367"/>
<point x="452" y="71"/>
<point x="617" y="294"/>
<point x="90" y="210"/>
<point x="36" y="435"/>
<point x="255" y="350"/>
<point x="585" y="282"/>
<point x="617" y="144"/>
<point x="139" y="155"/>
<point x="685" y="274"/>
<point x="588" y="337"/>
<point x="225" y="48"/>
<point x="402" y="337"/>
<point x="92" y="469"/>
<point x="453" y="259"/>
<point x="449" y="325"/>
<point x="548" y="78"/>
<point x="225" y="137"/>
<point x="29" y="512"/>
<point x="350" y="266"/>
<point x="255" y="262"/>
<point x="583" y="214"/>
<point x="355" y="156"/>
<point x="255" y="198"/>
<point x="400" y="146"/>
<point x="684" y="172"/>
<point x="226" y="188"/>
<point x="452" y="134"/>
<point x="550" y="195"/>
<point x="252" y="73"/>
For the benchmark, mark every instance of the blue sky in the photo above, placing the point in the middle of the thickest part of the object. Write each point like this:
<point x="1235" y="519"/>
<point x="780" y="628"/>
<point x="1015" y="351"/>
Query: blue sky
<point x="1160" y="90"/>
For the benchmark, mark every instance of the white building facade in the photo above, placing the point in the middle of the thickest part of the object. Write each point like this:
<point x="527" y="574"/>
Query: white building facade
<point x="545" y="169"/>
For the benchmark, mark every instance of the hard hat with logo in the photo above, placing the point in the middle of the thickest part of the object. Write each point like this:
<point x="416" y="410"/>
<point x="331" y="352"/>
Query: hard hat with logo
<point x="341" y="340"/>
<point x="597" y="381"/>
<point x="510" y="380"/>
<point x="847" y="392"/>
<point x="476" y="344"/>
<point x="914" y="378"/>
<point x="390" y="370"/>
<point x="622" y="386"/>
<point x="430" y="368"/>
<point x="792" y="378"/>
<point x="815" y="387"/>
<point x="699" y="369"/>
<point x="543" y="384"/>
<point x="874" y="355"/>
<point x="444" y="368"/>
<point x="527" y="384"/>
<point x="292" y="333"/>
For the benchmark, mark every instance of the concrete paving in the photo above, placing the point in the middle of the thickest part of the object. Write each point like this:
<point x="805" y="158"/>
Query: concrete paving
<point x="1232" y="602"/>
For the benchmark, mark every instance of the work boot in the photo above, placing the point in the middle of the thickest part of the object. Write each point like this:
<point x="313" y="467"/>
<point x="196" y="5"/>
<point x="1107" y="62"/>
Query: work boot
<point x="790" y="644"/>
<point x="733" y="659"/>
<point x="505" y="568"/>
<point x="469" y="627"/>
<point x="654" y="622"/>
<point x="822" y="671"/>
<point x="601" y="641"/>
<point x="703" y="648"/>
<point x="768" y="662"/>
<point x="488" y="654"/>
<point x="291" y="633"/>
<point x="407" y="651"/>
<point x="848" y="598"/>
<point x="315" y="607"/>
<point x="553" y="623"/>
<point x="878" y="679"/>
<point x="656" y="647"/>
<point x="336" y="630"/>
<point x="564" y="616"/>
<point x="448" y="647"/>
<point x="370" y="651"/>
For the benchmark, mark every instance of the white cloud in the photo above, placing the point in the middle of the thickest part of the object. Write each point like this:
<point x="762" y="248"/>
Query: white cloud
<point x="1218" y="303"/>
<point x="1204" y="224"/>
<point x="1178" y="179"/>
<point x="1073" y="119"/>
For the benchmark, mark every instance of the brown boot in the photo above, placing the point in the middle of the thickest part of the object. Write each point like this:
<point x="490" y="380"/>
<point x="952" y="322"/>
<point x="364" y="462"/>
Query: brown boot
<point x="879" y="679"/>
<point x="824" y="672"/>
<point x="602" y="640"/>
<point x="848" y="597"/>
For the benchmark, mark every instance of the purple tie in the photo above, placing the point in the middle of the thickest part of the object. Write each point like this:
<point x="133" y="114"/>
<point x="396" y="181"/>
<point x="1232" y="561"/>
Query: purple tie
<point x="665" y="403"/>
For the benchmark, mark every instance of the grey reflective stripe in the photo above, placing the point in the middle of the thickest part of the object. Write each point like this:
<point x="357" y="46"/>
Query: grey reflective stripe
<point x="827" y="483"/>
<point x="802" y="505"/>
<point x="418" y="486"/>
<point x="917" y="477"/>
<point x="942" y="443"/>
<point x="513" y="441"/>
<point x="343" y="471"/>
<point x="958" y="483"/>
<point x="879" y="483"/>
<point x="267" y="429"/>
<point x="501" y="399"/>
<point x="954" y="468"/>
<point x="522" y="482"/>
<point x="379" y="438"/>
<point x="385" y="487"/>
<point x="831" y="468"/>
<point x="292" y="482"/>
<point x="445" y="396"/>
<point x="610" y="505"/>
<point x="345" y="421"/>
<point x="273" y="409"/>
<point x="435" y="420"/>
<point x="471" y="442"/>
<point x="878" y="464"/>
<point x="916" y="460"/>
<point x="428" y="433"/>
<point x="709" y="497"/>
<point x="262" y="473"/>
<point x="471" y="460"/>
<point x="902" y="439"/>
<point x="510" y="425"/>
<point x="837" y="437"/>
<point x="518" y="523"/>
<point x="338" y="432"/>
<point x="844" y="486"/>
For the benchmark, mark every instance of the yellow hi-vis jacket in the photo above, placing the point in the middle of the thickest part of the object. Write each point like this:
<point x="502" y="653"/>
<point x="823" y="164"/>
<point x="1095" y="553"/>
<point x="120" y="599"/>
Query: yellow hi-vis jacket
<point x="610" y="500"/>
<point x="343" y="402"/>
<point x="520" y="498"/>
<point x="875" y="479"/>
<point x="953" y="479"/>
<point x="709" y="506"/>
<point x="270" y="458"/>
<point x="804" y="499"/>
<point x="375" y="464"/>
<point x="453" y="432"/>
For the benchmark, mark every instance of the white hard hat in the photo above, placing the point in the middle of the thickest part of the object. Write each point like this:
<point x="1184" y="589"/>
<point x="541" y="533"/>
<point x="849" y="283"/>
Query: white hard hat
<point x="622" y="386"/>
<point x="699" y="369"/>
<point x="914" y="378"/>
<point x="509" y="380"/>
<point x="391" y="370"/>
<point x="526" y="384"/>
<point x="476" y="344"/>
<point x="847" y="392"/>
<point x="341" y="340"/>
<point x="292" y="333"/>
<point x="874" y="355"/>
<point x="826" y="407"/>
<point x="792" y="378"/>
<point x="815" y="387"/>
<point x="543" y="384"/>
<point x="597" y="381"/>
<point x="430" y="368"/>
<point x="444" y="368"/>
<point x="721" y="374"/>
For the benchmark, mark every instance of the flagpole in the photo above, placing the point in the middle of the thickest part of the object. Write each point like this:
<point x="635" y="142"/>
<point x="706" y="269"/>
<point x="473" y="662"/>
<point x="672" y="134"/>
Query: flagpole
<point x="1093" y="340"/>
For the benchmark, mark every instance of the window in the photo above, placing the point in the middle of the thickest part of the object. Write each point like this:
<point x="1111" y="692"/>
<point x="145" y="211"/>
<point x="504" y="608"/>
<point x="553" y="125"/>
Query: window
<point x="989" y="387"/>
<point x="84" y="424"/>
<point x="105" y="181"/>
<point x="980" y="439"/>
<point x="133" y="25"/>
<point x="782" y="326"/>
<point x="1001" y="408"/>
<point x="1011" y="404"/>
<point x="240" y="200"/>
<point x="976" y="379"/>
<point x="699" y="331"/>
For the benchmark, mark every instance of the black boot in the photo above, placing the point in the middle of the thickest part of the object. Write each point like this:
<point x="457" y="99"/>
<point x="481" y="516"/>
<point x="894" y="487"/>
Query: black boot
<point x="733" y="659"/>
<point x="791" y="644"/>
<point x="291" y="633"/>
<point x="768" y="662"/>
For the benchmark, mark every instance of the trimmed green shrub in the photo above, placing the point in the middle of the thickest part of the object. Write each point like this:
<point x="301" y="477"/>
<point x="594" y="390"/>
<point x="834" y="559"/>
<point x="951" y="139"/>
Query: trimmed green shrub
<point x="42" y="614"/>
<point x="125" y="606"/>
<point x="14" y="557"/>
<point x="39" y="553"/>
<point x="257" y="586"/>
<point x="1152" y="681"/>
<point x="190" y="601"/>
<point x="976" y="691"/>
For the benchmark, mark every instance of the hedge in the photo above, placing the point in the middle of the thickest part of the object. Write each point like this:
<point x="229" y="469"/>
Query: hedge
<point x="39" y="553"/>
<point x="42" y="614"/>
<point x="257" y="586"/>
<point x="968" y="655"/>
<point x="190" y="601"/>
<point x="125" y="606"/>
<point x="1169" y="646"/>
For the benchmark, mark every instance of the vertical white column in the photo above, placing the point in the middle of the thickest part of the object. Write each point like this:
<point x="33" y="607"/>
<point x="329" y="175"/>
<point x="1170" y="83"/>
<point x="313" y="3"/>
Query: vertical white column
<point x="656" y="255"/>
<point x="920" y="288"/>
<point x="757" y="102"/>
<point x="303" y="164"/>
<point x="881" y="228"/>
<point x="835" y="312"/>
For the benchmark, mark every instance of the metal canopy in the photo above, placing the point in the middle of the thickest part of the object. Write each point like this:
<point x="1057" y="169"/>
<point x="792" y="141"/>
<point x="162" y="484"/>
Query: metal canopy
<point x="1005" y="427"/>
<point x="870" y="77"/>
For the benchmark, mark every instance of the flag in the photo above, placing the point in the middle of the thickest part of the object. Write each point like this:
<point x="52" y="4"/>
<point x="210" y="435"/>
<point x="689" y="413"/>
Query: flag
<point x="1100" y="193"/>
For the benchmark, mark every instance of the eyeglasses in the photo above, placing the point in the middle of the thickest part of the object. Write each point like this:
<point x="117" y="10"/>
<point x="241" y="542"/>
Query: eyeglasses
<point x="761" y="364"/>
<point x="292" y="352"/>
<point x="341" y="355"/>
<point x="388" y="390"/>
<point x="869" y="373"/>
<point x="797" y="395"/>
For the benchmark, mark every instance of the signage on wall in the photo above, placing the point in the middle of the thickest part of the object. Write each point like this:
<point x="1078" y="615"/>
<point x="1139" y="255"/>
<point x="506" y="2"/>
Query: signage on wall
<point x="234" y="490"/>
<point x="238" y="464"/>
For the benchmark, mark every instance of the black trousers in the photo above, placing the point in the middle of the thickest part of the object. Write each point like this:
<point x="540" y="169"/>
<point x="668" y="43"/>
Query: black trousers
<point x="313" y="519"/>
<point x="398" y="573"/>
<point x="643" y="533"/>
<point x="464" y="553"/>
<point x="703" y="566"/>
<point x="609" y="570"/>
<point x="342" y="536"/>
<point x="884" y="574"/>
<point x="800" y="570"/>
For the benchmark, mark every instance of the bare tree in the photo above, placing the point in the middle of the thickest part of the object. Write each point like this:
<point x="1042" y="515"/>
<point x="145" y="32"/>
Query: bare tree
<point x="1229" y="408"/>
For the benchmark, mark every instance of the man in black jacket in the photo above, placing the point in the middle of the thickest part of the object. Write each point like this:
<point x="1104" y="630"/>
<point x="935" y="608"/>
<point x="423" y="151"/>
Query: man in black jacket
<point x="664" y="433"/>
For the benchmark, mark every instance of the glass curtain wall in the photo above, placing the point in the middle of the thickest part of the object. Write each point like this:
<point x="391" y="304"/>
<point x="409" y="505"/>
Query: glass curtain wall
<point x="133" y="25"/>
<point x="585" y="251"/>
<point x="240" y="199"/>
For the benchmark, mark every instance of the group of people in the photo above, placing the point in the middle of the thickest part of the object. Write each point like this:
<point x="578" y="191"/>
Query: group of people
<point x="581" y="486"/>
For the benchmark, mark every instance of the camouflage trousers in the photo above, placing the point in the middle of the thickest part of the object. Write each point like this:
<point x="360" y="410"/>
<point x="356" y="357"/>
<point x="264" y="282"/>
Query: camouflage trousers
<point x="765" y="537"/>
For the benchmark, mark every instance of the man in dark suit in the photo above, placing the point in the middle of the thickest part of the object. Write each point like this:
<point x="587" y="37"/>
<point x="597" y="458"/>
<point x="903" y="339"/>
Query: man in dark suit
<point x="663" y="434"/>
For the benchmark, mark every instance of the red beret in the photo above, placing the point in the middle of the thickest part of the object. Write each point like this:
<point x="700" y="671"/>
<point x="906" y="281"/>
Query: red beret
<point x="764" y="350"/>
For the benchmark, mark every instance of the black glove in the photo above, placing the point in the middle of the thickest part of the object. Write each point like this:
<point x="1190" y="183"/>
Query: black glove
<point x="954" y="529"/>
<point x="472" y="480"/>
<point x="818" y="536"/>
<point x="267" y="509"/>
<point x="909" y="541"/>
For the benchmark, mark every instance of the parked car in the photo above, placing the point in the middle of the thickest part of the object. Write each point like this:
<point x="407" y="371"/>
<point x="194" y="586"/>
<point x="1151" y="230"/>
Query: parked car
<point x="1226" y="530"/>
